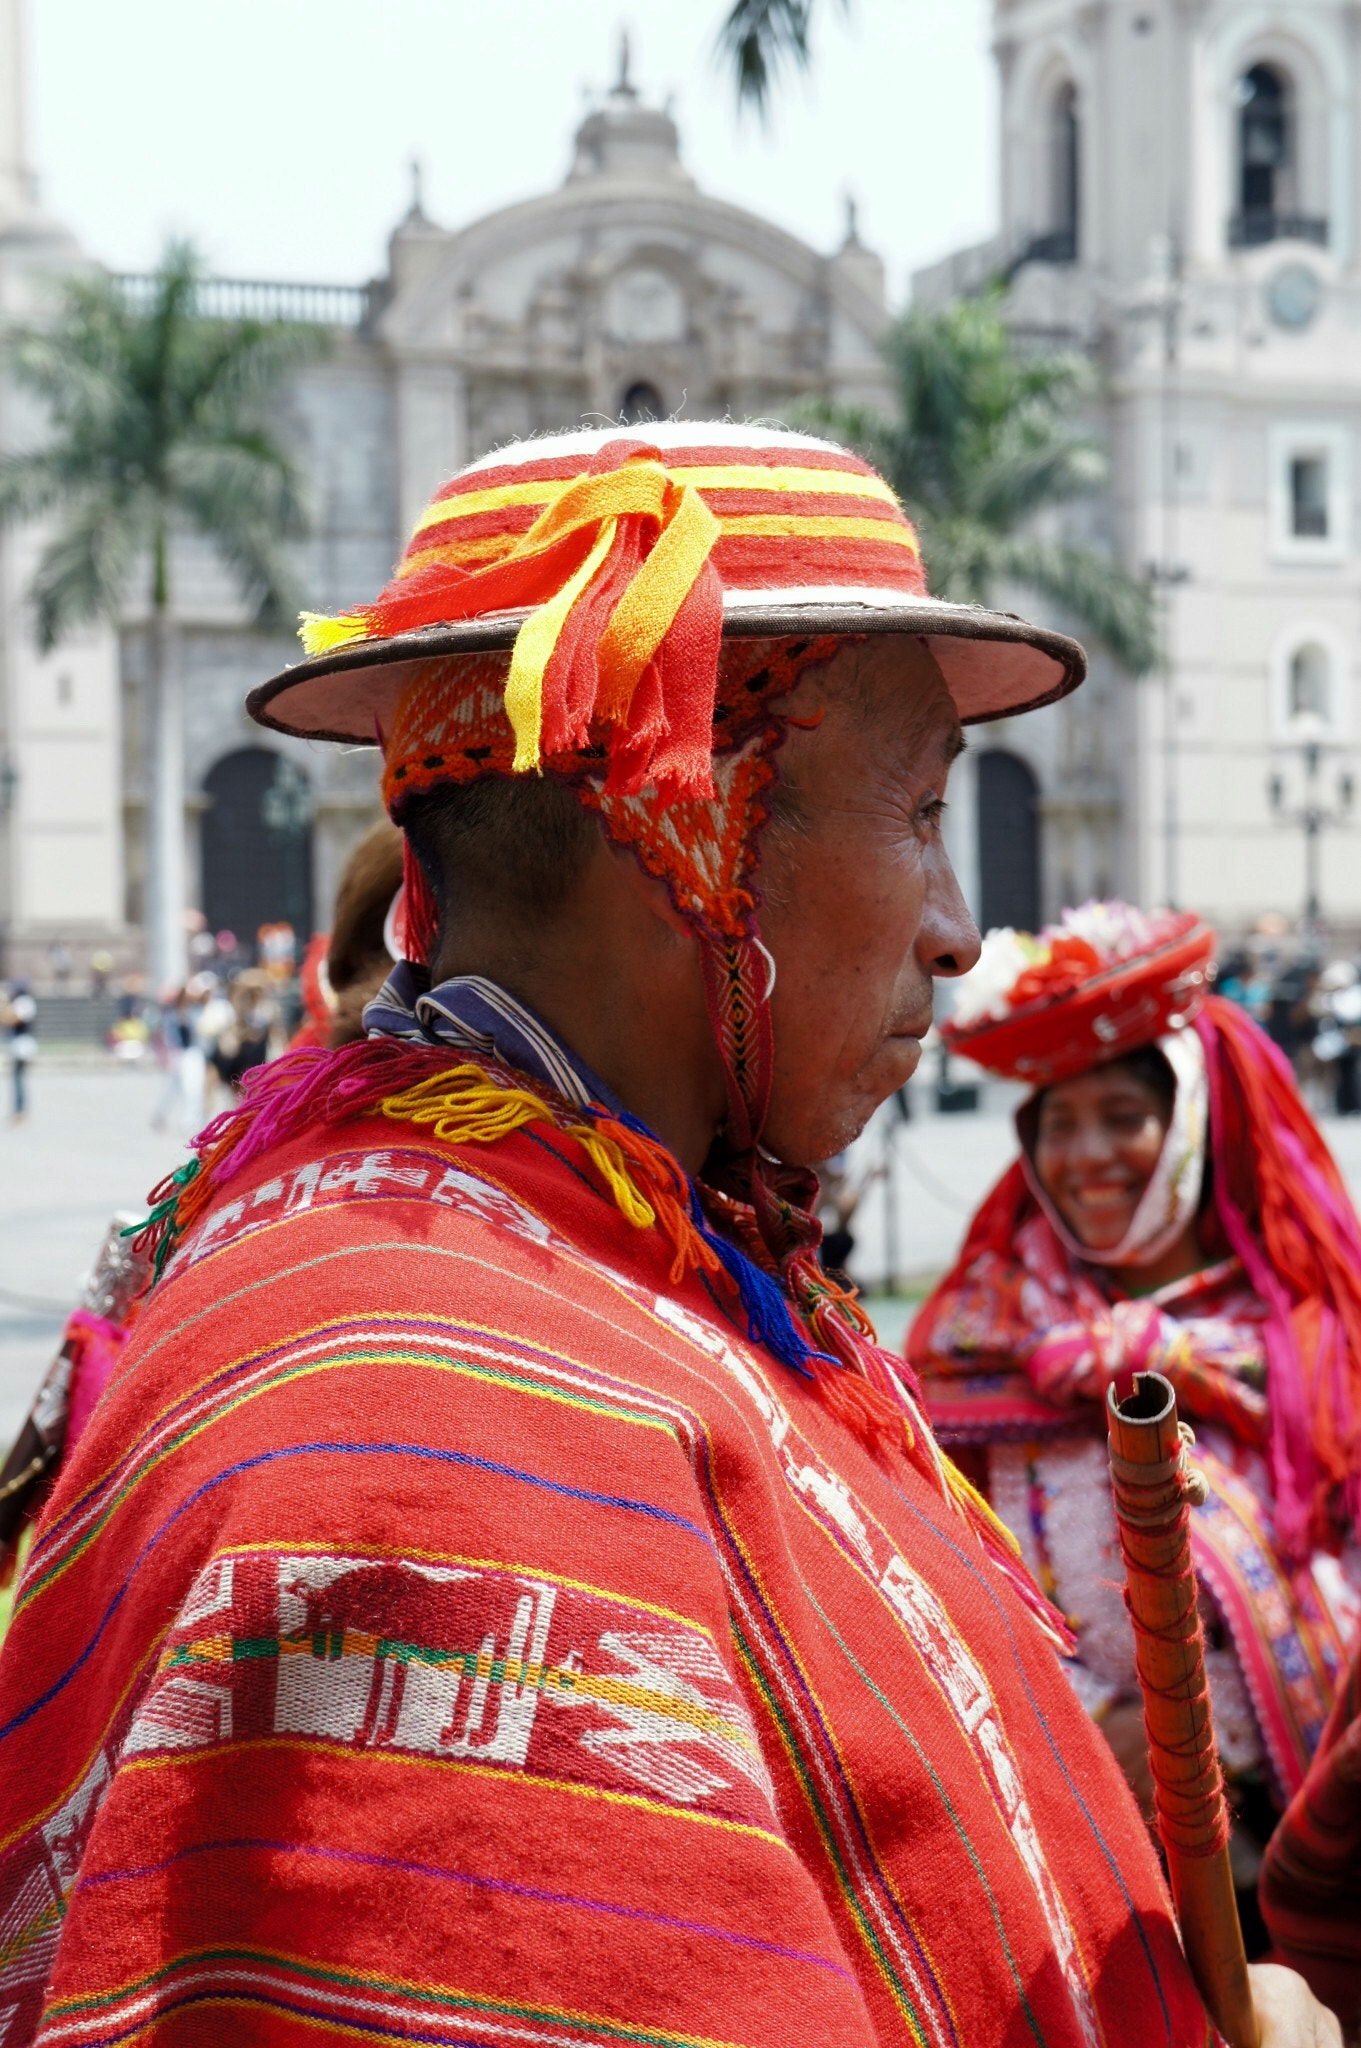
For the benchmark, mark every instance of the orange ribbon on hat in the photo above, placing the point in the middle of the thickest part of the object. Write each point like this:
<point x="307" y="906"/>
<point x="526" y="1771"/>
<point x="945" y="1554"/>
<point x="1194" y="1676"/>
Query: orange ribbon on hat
<point x="625" y="614"/>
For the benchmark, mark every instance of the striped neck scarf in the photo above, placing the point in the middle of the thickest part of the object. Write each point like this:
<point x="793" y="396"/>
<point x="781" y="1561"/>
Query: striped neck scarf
<point x="478" y="1015"/>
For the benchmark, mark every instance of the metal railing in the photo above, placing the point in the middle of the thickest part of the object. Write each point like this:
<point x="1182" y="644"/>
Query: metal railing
<point x="251" y="298"/>
<point x="1254" y="229"/>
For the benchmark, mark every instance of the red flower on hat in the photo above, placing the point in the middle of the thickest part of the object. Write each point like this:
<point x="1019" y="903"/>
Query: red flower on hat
<point x="1071" y="962"/>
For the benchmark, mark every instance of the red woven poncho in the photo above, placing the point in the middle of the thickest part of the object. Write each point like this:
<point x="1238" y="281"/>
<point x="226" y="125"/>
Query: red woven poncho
<point x="450" y="1630"/>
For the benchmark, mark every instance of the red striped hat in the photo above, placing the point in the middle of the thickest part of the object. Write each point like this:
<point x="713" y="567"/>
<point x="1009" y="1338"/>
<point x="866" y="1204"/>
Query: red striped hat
<point x="614" y="561"/>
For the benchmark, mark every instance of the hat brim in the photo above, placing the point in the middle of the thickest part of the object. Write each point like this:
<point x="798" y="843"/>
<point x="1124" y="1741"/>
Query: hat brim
<point x="995" y="665"/>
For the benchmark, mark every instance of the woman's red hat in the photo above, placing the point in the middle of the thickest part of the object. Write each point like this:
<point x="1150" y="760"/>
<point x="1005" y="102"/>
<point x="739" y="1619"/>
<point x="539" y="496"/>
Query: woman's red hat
<point x="1104" y="981"/>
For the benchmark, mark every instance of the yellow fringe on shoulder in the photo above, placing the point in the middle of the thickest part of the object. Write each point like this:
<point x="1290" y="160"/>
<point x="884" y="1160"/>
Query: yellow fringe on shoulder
<point x="968" y="1497"/>
<point x="463" y="1107"/>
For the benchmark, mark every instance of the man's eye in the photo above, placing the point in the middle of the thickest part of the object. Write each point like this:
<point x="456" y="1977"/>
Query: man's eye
<point x="932" y="813"/>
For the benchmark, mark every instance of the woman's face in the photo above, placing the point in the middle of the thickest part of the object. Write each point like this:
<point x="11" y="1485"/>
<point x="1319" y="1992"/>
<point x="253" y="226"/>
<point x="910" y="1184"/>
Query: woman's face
<point x="1097" y="1141"/>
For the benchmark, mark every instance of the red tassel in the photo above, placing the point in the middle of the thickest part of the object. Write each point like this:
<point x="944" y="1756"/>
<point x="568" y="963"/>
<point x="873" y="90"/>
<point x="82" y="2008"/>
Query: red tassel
<point x="421" y="918"/>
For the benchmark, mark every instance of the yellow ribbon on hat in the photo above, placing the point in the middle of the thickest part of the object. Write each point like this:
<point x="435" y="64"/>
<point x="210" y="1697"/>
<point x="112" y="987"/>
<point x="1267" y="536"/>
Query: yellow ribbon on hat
<point x="636" y="628"/>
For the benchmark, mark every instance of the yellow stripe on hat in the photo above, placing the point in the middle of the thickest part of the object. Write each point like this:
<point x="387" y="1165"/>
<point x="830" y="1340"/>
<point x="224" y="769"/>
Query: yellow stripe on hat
<point x="831" y="483"/>
<point x="710" y="477"/>
<point x="786" y="526"/>
<point x="454" y="554"/>
<point x="469" y="503"/>
<point x="806" y="526"/>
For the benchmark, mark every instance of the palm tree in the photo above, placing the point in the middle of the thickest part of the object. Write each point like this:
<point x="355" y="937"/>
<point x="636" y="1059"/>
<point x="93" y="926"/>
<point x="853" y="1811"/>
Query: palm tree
<point x="158" y="425"/>
<point x="986" y="445"/>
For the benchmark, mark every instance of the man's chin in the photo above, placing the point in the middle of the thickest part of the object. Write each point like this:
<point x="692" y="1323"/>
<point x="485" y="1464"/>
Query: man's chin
<point x="808" y="1141"/>
<point x="908" y="1053"/>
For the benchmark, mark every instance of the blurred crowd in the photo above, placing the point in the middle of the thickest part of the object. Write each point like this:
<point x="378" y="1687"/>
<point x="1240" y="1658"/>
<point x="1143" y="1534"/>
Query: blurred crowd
<point x="236" y="1009"/>
<point x="1306" y="994"/>
<point x="244" y="1001"/>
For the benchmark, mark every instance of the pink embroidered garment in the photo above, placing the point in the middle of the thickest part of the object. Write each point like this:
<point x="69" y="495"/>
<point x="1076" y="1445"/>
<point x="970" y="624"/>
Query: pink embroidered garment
<point x="1017" y="1347"/>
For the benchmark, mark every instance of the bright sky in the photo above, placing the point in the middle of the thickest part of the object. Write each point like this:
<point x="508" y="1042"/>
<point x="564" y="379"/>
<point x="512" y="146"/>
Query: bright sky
<point x="278" y="133"/>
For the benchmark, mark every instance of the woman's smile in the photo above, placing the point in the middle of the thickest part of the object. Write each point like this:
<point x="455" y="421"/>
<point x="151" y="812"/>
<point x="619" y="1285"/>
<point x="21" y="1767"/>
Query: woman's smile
<point x="1098" y="1140"/>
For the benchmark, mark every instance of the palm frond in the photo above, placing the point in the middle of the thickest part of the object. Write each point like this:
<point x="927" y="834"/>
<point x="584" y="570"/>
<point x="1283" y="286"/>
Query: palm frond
<point x="1023" y="476"/>
<point x="158" y="417"/>
<point x="248" y="501"/>
<point x="1095" y="593"/>
<point x="761" y="38"/>
<point x="33" y="482"/>
<point x="84" y="571"/>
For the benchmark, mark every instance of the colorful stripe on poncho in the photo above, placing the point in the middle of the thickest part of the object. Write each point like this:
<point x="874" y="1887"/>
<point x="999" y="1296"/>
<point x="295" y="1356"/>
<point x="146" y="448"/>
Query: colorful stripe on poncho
<point x="451" y="1629"/>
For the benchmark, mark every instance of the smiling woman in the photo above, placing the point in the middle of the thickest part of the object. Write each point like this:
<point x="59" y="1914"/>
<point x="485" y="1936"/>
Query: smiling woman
<point x="1126" y="1187"/>
<point x="1173" y="1208"/>
<point x="1099" y="1140"/>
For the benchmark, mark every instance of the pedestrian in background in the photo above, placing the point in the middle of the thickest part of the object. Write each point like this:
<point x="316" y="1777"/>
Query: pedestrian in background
<point x="20" y="1016"/>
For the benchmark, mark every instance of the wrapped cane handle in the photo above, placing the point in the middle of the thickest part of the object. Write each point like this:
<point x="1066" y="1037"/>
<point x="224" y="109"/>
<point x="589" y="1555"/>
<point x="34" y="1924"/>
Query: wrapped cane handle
<point x="1152" y="1489"/>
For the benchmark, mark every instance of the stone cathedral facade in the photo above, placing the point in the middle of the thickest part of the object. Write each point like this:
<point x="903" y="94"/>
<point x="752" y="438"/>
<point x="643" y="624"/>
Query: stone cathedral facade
<point x="1180" y="199"/>
<point x="627" y="293"/>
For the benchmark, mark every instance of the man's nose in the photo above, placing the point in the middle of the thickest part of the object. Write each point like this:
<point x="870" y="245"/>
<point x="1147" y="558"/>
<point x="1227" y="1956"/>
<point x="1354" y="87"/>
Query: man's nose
<point x="948" y="941"/>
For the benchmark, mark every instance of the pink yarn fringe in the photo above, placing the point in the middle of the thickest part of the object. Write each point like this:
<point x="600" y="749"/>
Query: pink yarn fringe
<point x="312" y="1087"/>
<point x="1295" y="1470"/>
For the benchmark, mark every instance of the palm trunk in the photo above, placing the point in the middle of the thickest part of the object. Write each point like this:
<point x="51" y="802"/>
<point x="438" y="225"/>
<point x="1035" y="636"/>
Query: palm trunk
<point x="165" y="870"/>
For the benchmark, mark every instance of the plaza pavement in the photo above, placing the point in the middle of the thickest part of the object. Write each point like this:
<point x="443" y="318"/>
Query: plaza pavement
<point x="88" y="1148"/>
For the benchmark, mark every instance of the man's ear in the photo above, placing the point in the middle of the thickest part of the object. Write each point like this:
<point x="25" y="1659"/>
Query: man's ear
<point x="647" y="890"/>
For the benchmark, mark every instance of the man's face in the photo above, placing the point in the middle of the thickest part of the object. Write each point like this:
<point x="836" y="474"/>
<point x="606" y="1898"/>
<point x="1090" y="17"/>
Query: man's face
<point x="861" y="905"/>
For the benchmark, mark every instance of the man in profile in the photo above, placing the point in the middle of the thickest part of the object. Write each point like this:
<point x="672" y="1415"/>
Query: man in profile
<point x="508" y="1595"/>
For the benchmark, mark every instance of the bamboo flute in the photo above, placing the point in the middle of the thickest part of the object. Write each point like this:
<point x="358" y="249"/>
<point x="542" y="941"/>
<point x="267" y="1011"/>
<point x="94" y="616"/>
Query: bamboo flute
<point x="1152" y="1489"/>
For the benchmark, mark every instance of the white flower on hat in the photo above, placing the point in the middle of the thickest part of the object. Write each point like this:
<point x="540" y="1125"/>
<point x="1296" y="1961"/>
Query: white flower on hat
<point x="1115" y="931"/>
<point x="983" y="994"/>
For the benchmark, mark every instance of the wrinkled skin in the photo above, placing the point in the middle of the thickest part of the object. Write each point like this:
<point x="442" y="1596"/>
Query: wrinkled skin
<point x="862" y="911"/>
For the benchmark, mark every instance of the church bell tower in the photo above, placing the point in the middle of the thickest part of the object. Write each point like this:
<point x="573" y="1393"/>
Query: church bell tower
<point x="1212" y="126"/>
<point x="1181" y="197"/>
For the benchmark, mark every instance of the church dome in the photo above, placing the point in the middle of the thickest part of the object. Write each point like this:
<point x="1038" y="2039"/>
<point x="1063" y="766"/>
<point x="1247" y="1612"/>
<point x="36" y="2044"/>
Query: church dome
<point x="624" y="138"/>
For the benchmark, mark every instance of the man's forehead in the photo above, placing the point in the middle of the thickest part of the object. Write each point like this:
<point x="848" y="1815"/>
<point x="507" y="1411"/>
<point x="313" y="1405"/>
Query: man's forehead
<point x="895" y="686"/>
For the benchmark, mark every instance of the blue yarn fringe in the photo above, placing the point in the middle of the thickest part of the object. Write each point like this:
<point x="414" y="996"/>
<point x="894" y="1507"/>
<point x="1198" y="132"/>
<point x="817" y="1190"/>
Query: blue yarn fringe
<point x="767" y="1312"/>
<point x="768" y="1318"/>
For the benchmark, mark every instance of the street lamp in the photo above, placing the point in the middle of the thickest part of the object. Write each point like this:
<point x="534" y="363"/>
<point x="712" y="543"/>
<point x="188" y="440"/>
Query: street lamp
<point x="1313" y="816"/>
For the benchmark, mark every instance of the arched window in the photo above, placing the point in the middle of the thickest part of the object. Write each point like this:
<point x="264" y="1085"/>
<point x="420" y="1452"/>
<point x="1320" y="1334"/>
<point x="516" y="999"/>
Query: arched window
<point x="1310" y="684"/>
<point x="641" y="402"/>
<point x="1266" y="150"/>
<point x="1008" y="842"/>
<point x="1065" y="142"/>
<point x="257" y="844"/>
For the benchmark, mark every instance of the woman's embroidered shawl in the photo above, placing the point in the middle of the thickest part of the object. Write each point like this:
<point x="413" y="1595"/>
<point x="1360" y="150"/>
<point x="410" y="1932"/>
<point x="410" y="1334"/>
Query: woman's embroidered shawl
<point x="1015" y="1351"/>
<point x="449" y="1629"/>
